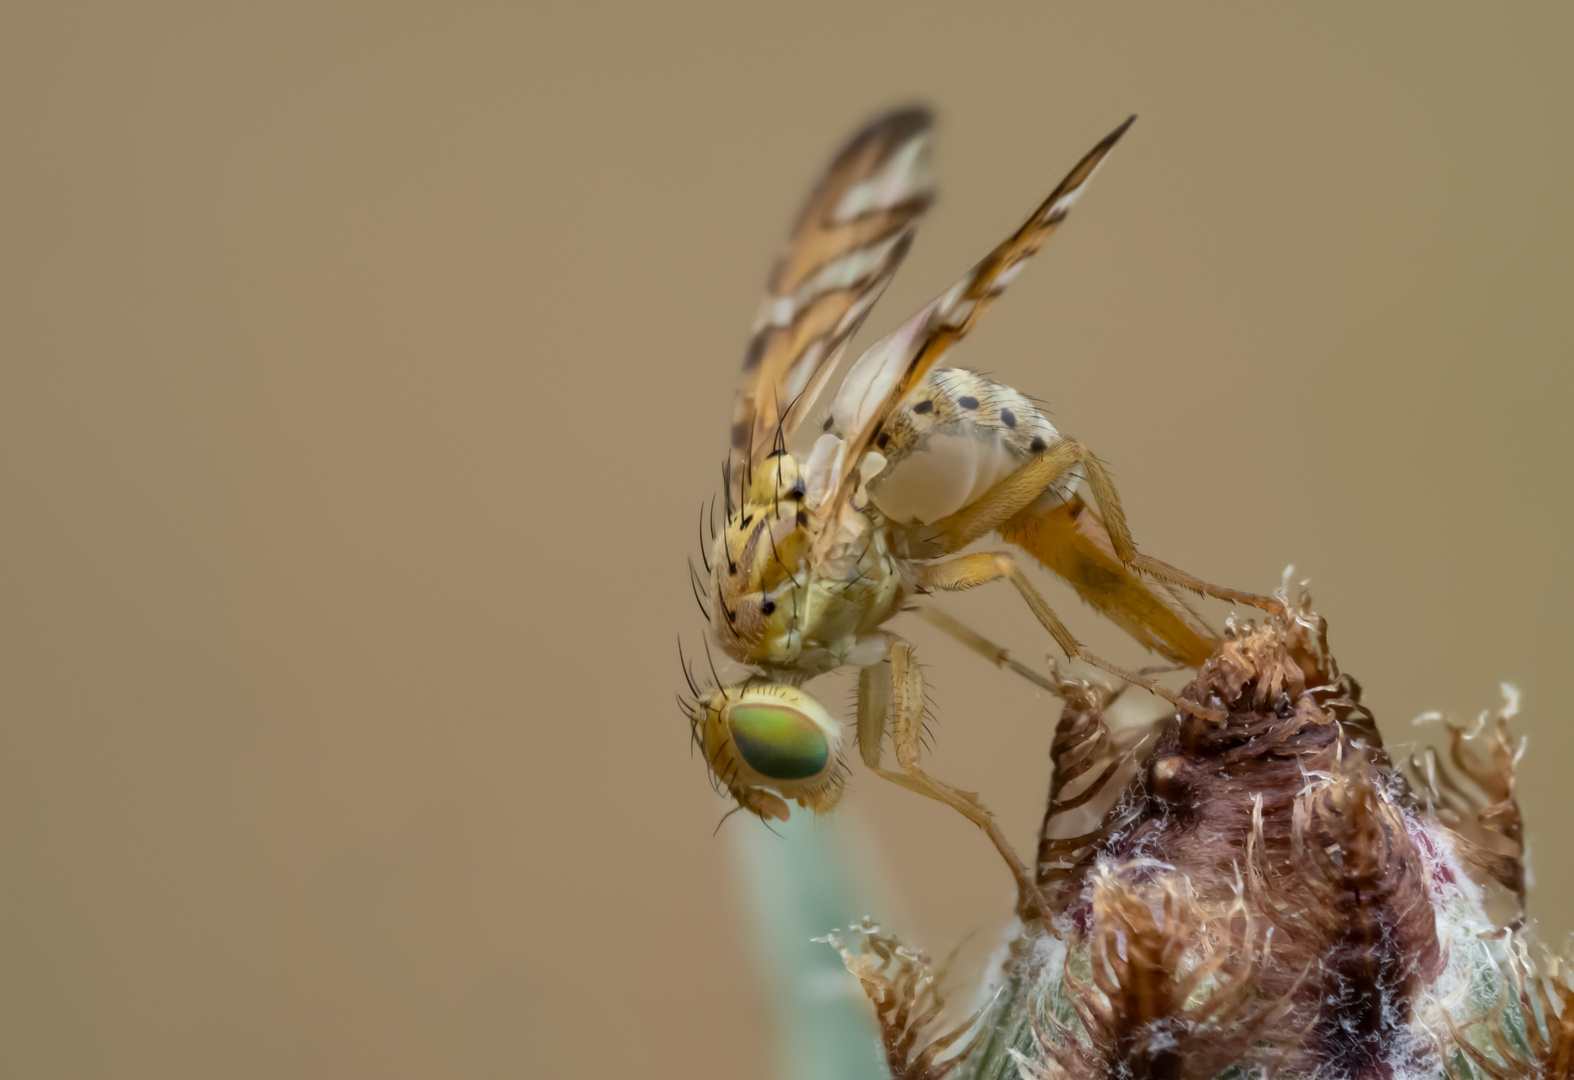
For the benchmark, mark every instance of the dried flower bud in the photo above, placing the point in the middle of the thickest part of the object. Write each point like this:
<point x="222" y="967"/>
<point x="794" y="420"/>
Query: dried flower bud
<point x="1267" y="894"/>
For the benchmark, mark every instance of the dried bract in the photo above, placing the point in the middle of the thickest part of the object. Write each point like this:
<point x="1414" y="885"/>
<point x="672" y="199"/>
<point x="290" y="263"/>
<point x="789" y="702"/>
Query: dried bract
<point x="1169" y="997"/>
<point x="1480" y="812"/>
<point x="905" y="991"/>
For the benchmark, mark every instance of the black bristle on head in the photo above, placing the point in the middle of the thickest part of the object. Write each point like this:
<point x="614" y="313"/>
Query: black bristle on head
<point x="778" y="451"/>
<point x="779" y="440"/>
<point x="694" y="585"/>
<point x="724" y="818"/>
<point x="688" y="676"/>
<point x="791" y="405"/>
<point x="746" y="477"/>
<point x="771" y="535"/>
<point x="732" y="567"/>
<point x="703" y="557"/>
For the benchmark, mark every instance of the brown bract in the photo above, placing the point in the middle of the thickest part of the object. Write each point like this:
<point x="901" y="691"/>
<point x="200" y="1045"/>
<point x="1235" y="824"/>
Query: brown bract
<point x="905" y="991"/>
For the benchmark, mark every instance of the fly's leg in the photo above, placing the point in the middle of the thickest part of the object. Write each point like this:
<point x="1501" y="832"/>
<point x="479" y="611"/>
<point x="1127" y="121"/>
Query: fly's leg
<point x="891" y="696"/>
<point x="970" y="571"/>
<point x="1008" y="496"/>
<point x="1000" y="656"/>
<point x="995" y="654"/>
<point x="1014" y="492"/>
<point x="1126" y="549"/>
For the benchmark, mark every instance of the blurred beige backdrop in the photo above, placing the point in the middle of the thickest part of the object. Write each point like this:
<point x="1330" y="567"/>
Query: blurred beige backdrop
<point x="364" y="367"/>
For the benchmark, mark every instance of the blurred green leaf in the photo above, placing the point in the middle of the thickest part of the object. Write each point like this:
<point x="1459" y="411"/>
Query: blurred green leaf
<point x="815" y="876"/>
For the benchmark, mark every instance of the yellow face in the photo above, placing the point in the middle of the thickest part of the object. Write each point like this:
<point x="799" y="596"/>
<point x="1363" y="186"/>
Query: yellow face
<point x="767" y="743"/>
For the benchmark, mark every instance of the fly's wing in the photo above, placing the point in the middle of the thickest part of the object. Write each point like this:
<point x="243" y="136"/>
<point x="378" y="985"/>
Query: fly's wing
<point x="1070" y="540"/>
<point x="848" y="240"/>
<point x="896" y="363"/>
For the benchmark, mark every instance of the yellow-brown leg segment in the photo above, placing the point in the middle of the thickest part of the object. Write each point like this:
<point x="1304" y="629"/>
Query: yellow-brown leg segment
<point x="969" y="571"/>
<point x="1070" y="541"/>
<point x="1012" y="493"/>
<point x="995" y="654"/>
<point x="1007" y="497"/>
<point x="891" y="695"/>
<point x="1126" y="548"/>
<point x="1000" y="656"/>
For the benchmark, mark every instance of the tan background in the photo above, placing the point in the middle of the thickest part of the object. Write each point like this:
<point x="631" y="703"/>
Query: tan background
<point x="364" y="368"/>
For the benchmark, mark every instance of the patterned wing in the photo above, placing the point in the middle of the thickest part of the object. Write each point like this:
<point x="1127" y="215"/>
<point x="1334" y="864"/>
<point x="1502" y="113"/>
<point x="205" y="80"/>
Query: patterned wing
<point x="849" y="238"/>
<point x="897" y="362"/>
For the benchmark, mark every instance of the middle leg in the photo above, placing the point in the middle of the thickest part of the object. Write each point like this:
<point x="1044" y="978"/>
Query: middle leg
<point x="1001" y="657"/>
<point x="980" y="568"/>
<point x="995" y="654"/>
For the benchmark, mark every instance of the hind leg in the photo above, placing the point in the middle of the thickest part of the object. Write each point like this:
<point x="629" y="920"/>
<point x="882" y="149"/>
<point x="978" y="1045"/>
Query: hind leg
<point x="1126" y="549"/>
<point x="1013" y="493"/>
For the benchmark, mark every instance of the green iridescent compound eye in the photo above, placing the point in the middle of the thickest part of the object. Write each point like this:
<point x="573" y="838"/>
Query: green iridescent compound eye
<point x="778" y="741"/>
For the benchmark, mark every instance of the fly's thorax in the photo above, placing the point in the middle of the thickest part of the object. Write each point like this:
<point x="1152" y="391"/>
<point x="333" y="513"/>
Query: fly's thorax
<point x="759" y="568"/>
<point x="768" y="742"/>
<point x="854" y="588"/>
<point x="953" y="437"/>
<point x="782" y="609"/>
<point x="778" y="479"/>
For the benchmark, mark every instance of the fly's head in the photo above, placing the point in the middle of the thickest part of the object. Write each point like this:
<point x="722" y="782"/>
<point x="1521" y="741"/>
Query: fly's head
<point x="766" y="743"/>
<point x="759" y="567"/>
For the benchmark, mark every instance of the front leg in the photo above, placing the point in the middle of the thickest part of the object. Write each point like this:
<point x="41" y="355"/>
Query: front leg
<point x="891" y="696"/>
<point x="980" y="568"/>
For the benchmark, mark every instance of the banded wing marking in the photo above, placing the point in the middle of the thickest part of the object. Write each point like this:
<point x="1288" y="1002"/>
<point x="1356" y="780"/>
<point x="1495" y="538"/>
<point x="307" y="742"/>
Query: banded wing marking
<point x="892" y="366"/>
<point x="849" y="238"/>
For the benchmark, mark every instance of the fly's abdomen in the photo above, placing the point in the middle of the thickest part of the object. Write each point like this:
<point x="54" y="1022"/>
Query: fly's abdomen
<point x="954" y="436"/>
